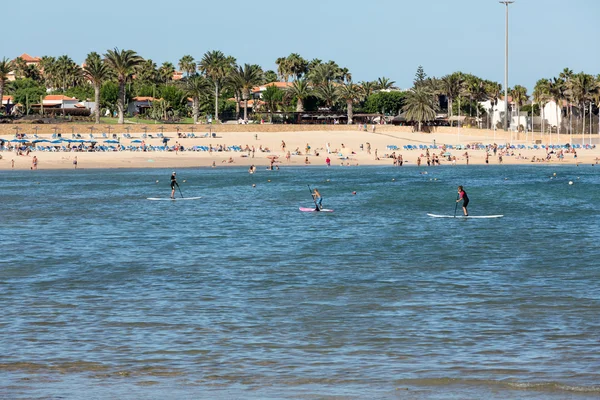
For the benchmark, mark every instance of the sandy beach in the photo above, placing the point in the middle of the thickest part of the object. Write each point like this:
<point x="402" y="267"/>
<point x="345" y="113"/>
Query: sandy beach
<point x="347" y="146"/>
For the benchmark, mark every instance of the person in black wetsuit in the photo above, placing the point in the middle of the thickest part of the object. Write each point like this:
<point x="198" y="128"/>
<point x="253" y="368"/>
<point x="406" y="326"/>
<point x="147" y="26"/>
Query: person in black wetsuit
<point x="173" y="184"/>
<point x="462" y="196"/>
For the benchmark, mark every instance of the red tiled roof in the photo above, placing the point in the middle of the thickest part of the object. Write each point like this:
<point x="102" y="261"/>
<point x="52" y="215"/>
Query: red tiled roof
<point x="177" y="75"/>
<point x="280" y="85"/>
<point x="144" y="98"/>
<point x="27" y="58"/>
<point x="57" y="97"/>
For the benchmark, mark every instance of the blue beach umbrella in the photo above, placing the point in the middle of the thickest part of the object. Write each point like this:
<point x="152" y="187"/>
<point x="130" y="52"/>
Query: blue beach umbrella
<point x="111" y="141"/>
<point x="57" y="141"/>
<point x="136" y="141"/>
<point x="18" y="141"/>
<point x="41" y="141"/>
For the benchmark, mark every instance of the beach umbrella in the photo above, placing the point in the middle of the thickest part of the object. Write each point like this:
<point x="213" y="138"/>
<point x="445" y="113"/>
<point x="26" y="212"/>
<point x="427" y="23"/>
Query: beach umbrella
<point x="19" y="141"/>
<point x="57" y="141"/>
<point x="111" y="141"/>
<point x="41" y="141"/>
<point x="136" y="141"/>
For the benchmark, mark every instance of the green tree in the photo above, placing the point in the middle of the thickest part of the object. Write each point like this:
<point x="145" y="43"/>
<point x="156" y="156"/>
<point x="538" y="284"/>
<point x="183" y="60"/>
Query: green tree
<point x="384" y="83"/>
<point x="245" y="78"/>
<point x="96" y="71"/>
<point x="297" y="65"/>
<point x="216" y="66"/>
<point x="6" y="67"/>
<point x="452" y="86"/>
<point x="269" y="76"/>
<point x="420" y="106"/>
<point x="519" y="95"/>
<point x="420" y="77"/>
<point x="197" y="87"/>
<point x="300" y="90"/>
<point x="165" y="72"/>
<point x="109" y="96"/>
<point x="367" y="88"/>
<point x="385" y="102"/>
<point x="26" y="91"/>
<point x="272" y="96"/>
<point x="583" y="87"/>
<point x="556" y="90"/>
<point x="328" y="93"/>
<point x="123" y="64"/>
<point x="188" y="65"/>
<point x="350" y="93"/>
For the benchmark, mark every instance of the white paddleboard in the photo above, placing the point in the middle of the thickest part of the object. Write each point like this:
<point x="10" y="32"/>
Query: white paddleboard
<point x="462" y="216"/>
<point x="170" y="199"/>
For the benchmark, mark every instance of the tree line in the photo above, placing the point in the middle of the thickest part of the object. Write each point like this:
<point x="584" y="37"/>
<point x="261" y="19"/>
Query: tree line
<point x="117" y="76"/>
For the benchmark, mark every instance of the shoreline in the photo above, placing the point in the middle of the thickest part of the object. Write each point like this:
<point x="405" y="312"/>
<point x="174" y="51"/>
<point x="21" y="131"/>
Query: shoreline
<point x="348" y="148"/>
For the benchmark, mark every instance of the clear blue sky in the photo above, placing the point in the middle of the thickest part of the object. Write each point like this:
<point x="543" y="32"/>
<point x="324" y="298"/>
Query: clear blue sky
<point x="372" y="38"/>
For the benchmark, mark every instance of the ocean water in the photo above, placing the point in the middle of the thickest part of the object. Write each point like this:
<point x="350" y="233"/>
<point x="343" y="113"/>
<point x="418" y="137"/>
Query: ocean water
<point x="238" y="295"/>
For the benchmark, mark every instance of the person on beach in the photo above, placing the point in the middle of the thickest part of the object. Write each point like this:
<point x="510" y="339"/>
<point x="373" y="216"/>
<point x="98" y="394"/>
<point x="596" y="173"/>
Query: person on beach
<point x="75" y="162"/>
<point x="173" y="184"/>
<point x="318" y="199"/>
<point x="34" y="162"/>
<point x="328" y="161"/>
<point x="462" y="196"/>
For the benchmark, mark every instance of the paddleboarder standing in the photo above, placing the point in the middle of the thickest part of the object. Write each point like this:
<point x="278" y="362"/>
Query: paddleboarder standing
<point x="462" y="196"/>
<point x="173" y="184"/>
<point x="318" y="199"/>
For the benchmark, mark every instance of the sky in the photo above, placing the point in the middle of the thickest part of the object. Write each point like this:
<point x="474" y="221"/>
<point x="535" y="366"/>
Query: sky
<point x="372" y="39"/>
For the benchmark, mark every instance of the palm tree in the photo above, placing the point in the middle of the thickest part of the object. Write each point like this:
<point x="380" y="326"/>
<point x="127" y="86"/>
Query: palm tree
<point x="556" y="90"/>
<point x="367" y="88"/>
<point x="384" y="83"/>
<point x="187" y="65"/>
<point x="299" y="90"/>
<point x="196" y="87"/>
<point x="452" y="87"/>
<point x="351" y="93"/>
<point x="272" y="97"/>
<point x="269" y="76"/>
<point x="283" y="68"/>
<point x="48" y="68"/>
<point x="165" y="72"/>
<point x="6" y="67"/>
<point x="519" y="95"/>
<point x="323" y="73"/>
<point x="420" y="105"/>
<point x="345" y="75"/>
<point x="245" y="78"/>
<point x="328" y="93"/>
<point x="582" y="89"/>
<point x="96" y="71"/>
<point x="540" y="96"/>
<point x="298" y="66"/>
<point x="494" y="91"/>
<point x="147" y="73"/>
<point x="215" y="65"/>
<point x="123" y="64"/>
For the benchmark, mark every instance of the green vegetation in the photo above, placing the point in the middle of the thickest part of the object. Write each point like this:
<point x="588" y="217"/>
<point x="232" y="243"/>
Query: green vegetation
<point x="216" y="87"/>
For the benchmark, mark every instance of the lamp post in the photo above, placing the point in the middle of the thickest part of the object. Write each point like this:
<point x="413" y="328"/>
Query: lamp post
<point x="507" y="3"/>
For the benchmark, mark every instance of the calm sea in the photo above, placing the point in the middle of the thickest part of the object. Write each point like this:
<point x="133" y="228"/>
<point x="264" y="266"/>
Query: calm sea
<point x="238" y="295"/>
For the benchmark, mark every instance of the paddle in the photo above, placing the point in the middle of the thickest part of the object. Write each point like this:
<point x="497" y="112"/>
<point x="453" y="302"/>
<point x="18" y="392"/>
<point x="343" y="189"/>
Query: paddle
<point x="456" y="205"/>
<point x="179" y="189"/>
<point x="313" y="197"/>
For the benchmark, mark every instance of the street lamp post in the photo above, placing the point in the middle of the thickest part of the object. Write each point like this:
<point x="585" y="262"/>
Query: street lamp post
<point x="507" y="3"/>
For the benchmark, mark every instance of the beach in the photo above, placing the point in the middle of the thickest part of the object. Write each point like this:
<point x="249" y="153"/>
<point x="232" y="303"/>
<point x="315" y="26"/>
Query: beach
<point x="348" y="146"/>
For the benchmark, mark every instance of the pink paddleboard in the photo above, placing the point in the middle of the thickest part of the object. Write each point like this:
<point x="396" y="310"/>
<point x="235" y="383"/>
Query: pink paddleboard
<point x="305" y="209"/>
